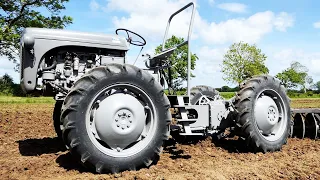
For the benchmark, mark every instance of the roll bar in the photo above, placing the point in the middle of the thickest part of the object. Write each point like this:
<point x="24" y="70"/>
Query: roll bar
<point x="188" y="40"/>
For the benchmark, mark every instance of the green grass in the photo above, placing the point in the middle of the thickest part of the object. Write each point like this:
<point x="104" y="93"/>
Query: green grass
<point x="227" y="95"/>
<point x="25" y="100"/>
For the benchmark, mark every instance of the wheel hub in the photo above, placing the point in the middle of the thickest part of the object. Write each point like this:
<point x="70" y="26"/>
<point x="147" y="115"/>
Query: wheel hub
<point x="123" y="119"/>
<point x="266" y="114"/>
<point x="119" y="120"/>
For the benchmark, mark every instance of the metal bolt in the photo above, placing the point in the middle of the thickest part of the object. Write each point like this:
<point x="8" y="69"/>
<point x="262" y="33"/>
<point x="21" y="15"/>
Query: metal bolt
<point x="122" y="128"/>
<point x="130" y="121"/>
<point x="119" y="115"/>
<point x="118" y="149"/>
<point x="116" y="120"/>
<point x="129" y="115"/>
<point x="118" y="125"/>
<point x="125" y="90"/>
<point x="98" y="101"/>
<point x="128" y="126"/>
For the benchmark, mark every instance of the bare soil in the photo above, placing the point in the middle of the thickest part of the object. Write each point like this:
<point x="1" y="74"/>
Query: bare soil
<point x="29" y="149"/>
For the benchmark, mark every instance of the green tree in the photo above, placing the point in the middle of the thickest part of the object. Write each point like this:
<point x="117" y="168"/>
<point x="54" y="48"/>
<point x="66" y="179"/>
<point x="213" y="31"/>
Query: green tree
<point x="178" y="61"/>
<point x="317" y="86"/>
<point x="294" y="76"/>
<point x="6" y="85"/>
<point x="243" y="61"/>
<point x="18" y="14"/>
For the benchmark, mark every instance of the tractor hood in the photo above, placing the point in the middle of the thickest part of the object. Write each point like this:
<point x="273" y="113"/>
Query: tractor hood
<point x="109" y="41"/>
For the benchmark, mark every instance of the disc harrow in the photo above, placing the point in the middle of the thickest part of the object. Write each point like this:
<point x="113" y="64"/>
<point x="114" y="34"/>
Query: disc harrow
<point x="305" y="123"/>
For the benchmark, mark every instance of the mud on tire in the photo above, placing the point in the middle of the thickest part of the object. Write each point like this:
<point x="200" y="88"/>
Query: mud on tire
<point x="263" y="113"/>
<point x="97" y="154"/>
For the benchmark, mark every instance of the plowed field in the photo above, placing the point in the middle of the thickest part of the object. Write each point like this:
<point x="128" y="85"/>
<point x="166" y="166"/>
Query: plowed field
<point x="29" y="149"/>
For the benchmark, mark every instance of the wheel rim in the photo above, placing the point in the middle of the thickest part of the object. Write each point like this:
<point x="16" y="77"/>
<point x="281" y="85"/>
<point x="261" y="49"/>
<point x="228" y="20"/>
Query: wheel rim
<point x="120" y="120"/>
<point x="270" y="115"/>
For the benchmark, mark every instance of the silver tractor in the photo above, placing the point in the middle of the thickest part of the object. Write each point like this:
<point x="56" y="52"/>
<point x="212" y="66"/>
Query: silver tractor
<point x="114" y="116"/>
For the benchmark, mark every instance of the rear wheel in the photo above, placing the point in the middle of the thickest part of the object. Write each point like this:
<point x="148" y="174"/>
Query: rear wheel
<point x="116" y="118"/>
<point x="263" y="113"/>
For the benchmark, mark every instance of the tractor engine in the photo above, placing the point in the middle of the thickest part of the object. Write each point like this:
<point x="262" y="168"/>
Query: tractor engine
<point x="61" y="69"/>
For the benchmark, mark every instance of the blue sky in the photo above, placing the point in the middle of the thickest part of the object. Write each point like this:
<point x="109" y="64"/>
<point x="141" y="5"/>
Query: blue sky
<point x="284" y="30"/>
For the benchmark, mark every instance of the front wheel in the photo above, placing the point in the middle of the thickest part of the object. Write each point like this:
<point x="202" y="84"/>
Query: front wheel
<point x="263" y="113"/>
<point x="116" y="118"/>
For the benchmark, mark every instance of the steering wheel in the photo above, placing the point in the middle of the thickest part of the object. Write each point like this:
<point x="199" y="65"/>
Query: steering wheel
<point x="136" y="43"/>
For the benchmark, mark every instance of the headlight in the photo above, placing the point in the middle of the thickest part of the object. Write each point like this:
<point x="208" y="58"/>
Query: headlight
<point x="28" y="41"/>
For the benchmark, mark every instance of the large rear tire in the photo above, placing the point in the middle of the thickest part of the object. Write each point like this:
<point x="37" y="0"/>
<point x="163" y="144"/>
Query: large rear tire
<point x="263" y="113"/>
<point x="116" y="118"/>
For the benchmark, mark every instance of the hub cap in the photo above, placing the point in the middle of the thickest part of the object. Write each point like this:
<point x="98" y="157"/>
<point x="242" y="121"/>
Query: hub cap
<point x="270" y="115"/>
<point x="120" y="120"/>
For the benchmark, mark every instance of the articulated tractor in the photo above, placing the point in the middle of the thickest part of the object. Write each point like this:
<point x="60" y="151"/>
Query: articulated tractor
<point x="114" y="116"/>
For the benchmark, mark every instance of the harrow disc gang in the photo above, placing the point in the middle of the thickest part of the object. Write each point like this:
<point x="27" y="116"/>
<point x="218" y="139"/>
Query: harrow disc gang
<point x="305" y="123"/>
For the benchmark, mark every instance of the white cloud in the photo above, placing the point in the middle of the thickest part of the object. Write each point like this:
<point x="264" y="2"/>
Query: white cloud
<point x="283" y="21"/>
<point x="8" y="67"/>
<point x="316" y="25"/>
<point x="94" y="6"/>
<point x="233" y="7"/>
<point x="208" y="68"/>
<point x="250" y="29"/>
<point x="211" y="2"/>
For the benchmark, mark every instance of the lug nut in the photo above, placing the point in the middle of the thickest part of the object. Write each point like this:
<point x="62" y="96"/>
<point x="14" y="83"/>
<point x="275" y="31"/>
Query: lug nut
<point x="118" y="125"/>
<point x="118" y="149"/>
<point x="130" y="121"/>
<point x="116" y="120"/>
<point x="128" y="126"/>
<point x="122" y="128"/>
